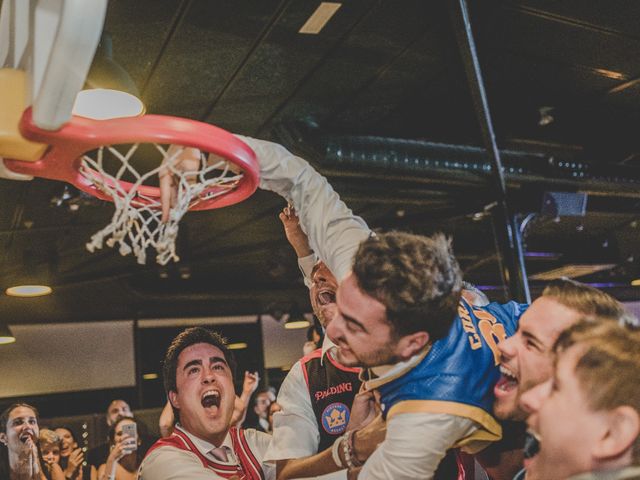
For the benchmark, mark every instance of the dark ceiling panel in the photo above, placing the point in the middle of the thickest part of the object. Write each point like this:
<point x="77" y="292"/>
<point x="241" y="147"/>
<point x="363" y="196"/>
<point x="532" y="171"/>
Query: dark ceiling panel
<point x="138" y="30"/>
<point x="619" y="16"/>
<point x="211" y="41"/>
<point x="534" y="33"/>
<point x="384" y="68"/>
<point x="367" y="54"/>
<point x="277" y="66"/>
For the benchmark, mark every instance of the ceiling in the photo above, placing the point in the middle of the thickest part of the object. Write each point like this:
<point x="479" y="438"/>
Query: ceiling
<point x="380" y="102"/>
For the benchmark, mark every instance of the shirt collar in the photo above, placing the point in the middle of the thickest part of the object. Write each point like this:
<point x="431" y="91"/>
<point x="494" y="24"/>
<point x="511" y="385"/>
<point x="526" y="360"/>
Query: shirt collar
<point x="203" y="446"/>
<point x="327" y="345"/>
<point x="382" y="374"/>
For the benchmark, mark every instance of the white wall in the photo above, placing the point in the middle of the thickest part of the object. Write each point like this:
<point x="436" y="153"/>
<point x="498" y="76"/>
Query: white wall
<point x="65" y="357"/>
<point x="282" y="348"/>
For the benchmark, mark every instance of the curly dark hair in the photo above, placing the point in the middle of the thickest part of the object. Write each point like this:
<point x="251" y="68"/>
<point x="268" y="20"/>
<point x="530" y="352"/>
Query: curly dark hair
<point x="185" y="339"/>
<point x="416" y="278"/>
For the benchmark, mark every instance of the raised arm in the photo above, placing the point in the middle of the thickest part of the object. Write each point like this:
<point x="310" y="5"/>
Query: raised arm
<point x="334" y="232"/>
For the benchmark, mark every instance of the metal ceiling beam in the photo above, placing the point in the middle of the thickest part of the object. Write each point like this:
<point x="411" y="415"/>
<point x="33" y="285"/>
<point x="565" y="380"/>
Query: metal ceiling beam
<point x="508" y="234"/>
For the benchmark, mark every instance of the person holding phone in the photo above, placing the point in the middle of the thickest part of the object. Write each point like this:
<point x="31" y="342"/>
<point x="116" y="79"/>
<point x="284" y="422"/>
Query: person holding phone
<point x="123" y="460"/>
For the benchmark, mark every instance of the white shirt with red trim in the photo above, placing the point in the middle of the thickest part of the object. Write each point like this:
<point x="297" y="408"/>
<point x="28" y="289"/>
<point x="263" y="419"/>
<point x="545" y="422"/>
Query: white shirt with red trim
<point x="195" y="462"/>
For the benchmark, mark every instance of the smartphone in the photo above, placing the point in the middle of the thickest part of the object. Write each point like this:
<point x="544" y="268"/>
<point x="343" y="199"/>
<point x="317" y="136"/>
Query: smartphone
<point x="131" y="429"/>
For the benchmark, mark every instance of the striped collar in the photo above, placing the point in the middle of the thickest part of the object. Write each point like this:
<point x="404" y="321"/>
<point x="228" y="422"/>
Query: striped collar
<point x="204" y="447"/>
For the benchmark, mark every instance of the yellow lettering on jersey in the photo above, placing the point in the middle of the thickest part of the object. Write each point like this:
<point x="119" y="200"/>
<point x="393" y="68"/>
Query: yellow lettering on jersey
<point x="469" y="327"/>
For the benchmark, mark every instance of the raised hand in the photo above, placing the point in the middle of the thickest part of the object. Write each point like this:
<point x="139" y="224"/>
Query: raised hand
<point x="364" y="409"/>
<point x="28" y="462"/>
<point x="292" y="230"/>
<point x="125" y="445"/>
<point x="183" y="160"/>
<point x="74" y="463"/>
<point x="251" y="381"/>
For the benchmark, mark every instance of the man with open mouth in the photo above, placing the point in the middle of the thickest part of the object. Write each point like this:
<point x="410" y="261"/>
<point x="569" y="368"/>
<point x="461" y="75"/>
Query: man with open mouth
<point x="527" y="360"/>
<point x="198" y="375"/>
<point x="586" y="417"/>
<point x="317" y="395"/>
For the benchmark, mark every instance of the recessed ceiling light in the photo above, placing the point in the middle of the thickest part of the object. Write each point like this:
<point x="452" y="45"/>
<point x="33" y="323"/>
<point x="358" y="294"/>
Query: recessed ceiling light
<point x="6" y="336"/>
<point x="103" y="104"/>
<point x="636" y="282"/>
<point x="318" y="19"/>
<point x="29" y="290"/>
<point x="237" y="346"/>
<point x="149" y="376"/>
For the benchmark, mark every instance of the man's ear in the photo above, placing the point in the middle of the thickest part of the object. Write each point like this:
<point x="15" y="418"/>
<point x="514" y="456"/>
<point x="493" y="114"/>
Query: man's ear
<point x="3" y="438"/>
<point x="623" y="428"/>
<point x="173" y="398"/>
<point x="411" y="344"/>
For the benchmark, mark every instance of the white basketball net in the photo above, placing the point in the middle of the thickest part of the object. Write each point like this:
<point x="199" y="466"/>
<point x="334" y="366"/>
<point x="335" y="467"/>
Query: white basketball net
<point x="137" y="225"/>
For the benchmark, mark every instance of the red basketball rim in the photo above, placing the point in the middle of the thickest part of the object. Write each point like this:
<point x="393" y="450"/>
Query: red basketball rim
<point x="63" y="159"/>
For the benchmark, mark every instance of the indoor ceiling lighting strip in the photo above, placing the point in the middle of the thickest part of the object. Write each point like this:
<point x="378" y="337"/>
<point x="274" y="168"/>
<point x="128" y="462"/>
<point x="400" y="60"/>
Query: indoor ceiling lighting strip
<point x="318" y="19"/>
<point x="192" y="322"/>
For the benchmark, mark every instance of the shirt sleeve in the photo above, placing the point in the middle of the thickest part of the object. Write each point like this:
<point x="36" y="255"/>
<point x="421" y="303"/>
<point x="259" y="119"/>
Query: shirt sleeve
<point x="168" y="463"/>
<point x="333" y="230"/>
<point x="305" y="264"/>
<point x="259" y="443"/>
<point x="295" y="431"/>
<point x="414" y="445"/>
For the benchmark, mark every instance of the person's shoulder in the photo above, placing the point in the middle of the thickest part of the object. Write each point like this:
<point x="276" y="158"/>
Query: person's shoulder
<point x="165" y="458"/>
<point x="257" y="440"/>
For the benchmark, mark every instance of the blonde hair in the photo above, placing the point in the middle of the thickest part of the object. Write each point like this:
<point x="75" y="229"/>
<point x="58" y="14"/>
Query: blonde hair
<point x="588" y="301"/>
<point x="49" y="437"/>
<point x="608" y="366"/>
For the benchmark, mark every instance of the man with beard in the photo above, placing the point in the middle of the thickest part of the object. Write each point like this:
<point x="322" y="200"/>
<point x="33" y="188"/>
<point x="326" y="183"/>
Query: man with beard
<point x="587" y="414"/>
<point x="198" y="375"/>
<point x="527" y="360"/>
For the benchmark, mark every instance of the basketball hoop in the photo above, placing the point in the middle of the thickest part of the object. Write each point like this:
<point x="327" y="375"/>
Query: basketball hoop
<point x="227" y="174"/>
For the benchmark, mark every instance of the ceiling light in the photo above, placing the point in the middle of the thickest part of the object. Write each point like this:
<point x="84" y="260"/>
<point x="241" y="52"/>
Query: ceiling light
<point x="237" y="346"/>
<point x="150" y="376"/>
<point x="110" y="92"/>
<point x="636" y="282"/>
<point x="318" y="19"/>
<point x="29" y="290"/>
<point x="5" y="334"/>
<point x="104" y="103"/>
<point x="571" y="271"/>
<point x="296" y="320"/>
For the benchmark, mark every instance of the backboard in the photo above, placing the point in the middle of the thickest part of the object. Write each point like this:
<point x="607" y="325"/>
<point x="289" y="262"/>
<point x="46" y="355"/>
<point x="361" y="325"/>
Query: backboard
<point x="46" y="49"/>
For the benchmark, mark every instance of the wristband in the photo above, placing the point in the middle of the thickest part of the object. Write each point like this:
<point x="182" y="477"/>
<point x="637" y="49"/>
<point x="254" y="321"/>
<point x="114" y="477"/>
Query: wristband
<point x="352" y="449"/>
<point x="347" y="450"/>
<point x="335" y="453"/>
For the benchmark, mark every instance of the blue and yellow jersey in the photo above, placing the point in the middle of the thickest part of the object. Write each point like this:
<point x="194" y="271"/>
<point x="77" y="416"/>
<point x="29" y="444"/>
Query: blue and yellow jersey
<point x="457" y="374"/>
